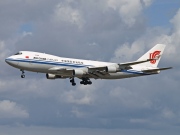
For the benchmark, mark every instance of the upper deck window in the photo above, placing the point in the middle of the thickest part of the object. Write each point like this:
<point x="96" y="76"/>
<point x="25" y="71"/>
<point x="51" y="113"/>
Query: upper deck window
<point x="19" y="53"/>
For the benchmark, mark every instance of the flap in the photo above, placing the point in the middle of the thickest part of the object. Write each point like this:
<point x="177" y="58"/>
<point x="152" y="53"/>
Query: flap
<point x="93" y="69"/>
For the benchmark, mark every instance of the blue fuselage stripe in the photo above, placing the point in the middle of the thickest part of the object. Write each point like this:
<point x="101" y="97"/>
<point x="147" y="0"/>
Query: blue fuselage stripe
<point x="134" y="72"/>
<point x="48" y="62"/>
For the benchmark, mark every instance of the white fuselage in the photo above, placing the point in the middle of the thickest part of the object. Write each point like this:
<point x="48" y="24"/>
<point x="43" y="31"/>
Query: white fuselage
<point x="59" y="67"/>
<point x="43" y="63"/>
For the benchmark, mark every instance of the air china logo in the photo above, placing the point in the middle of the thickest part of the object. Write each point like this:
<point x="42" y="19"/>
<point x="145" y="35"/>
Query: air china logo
<point x="154" y="55"/>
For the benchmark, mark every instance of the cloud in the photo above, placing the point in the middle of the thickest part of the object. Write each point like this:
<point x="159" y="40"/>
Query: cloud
<point x="77" y="113"/>
<point x="175" y="21"/>
<point x="129" y="11"/>
<point x="134" y="101"/>
<point x="127" y="52"/>
<point x="3" y="50"/>
<point x="83" y="95"/>
<point x="167" y="113"/>
<point x="142" y="121"/>
<point x="105" y="30"/>
<point x="64" y="13"/>
<point x="153" y="36"/>
<point x="9" y="109"/>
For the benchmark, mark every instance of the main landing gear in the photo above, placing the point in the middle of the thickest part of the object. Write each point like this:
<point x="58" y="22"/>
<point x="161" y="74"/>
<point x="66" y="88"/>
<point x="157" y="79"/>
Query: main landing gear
<point x="86" y="81"/>
<point x="72" y="81"/>
<point x="22" y="75"/>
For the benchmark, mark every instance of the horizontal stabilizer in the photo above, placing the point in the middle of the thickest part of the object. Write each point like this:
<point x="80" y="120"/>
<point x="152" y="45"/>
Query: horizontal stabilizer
<point x="155" y="70"/>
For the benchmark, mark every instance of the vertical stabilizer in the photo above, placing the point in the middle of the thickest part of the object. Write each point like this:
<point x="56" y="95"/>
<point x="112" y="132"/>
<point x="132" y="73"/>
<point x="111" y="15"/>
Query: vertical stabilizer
<point x="154" y="53"/>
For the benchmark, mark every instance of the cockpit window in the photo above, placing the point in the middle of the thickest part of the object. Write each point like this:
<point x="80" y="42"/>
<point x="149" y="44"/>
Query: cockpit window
<point x="19" y="53"/>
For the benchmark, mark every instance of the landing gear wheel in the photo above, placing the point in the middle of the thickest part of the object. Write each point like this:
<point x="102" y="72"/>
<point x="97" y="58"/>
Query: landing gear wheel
<point x="22" y="76"/>
<point x="89" y="82"/>
<point x="73" y="84"/>
<point x="81" y="82"/>
<point x="86" y="81"/>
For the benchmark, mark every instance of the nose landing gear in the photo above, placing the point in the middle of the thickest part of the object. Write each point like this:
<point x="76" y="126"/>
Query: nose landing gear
<point x="22" y="75"/>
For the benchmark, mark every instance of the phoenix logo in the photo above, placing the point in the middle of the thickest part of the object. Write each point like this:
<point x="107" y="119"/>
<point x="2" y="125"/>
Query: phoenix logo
<point x="155" y="55"/>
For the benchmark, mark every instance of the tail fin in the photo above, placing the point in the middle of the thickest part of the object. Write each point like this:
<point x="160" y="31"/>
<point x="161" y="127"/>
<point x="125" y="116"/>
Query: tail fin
<point x="154" y="53"/>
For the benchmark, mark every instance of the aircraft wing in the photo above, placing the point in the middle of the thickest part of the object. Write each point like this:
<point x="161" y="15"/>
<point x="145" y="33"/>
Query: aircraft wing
<point x="57" y="69"/>
<point x="103" y="70"/>
<point x="97" y="72"/>
<point x="94" y="69"/>
<point x="135" y="62"/>
<point x="60" y="70"/>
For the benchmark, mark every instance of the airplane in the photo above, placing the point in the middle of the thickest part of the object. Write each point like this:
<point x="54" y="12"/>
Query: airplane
<point x="61" y="68"/>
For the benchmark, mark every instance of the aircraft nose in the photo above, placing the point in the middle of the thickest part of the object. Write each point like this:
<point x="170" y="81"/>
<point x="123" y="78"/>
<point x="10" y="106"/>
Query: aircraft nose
<point x="7" y="60"/>
<point x="11" y="61"/>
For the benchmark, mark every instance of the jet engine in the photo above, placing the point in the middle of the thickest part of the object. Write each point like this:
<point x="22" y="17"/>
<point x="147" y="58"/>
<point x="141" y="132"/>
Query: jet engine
<point x="111" y="69"/>
<point x="78" y="73"/>
<point x="52" y="76"/>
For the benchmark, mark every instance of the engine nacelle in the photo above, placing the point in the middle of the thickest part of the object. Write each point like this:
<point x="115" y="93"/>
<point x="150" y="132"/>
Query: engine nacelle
<point x="78" y="73"/>
<point x="52" y="76"/>
<point x="111" y="69"/>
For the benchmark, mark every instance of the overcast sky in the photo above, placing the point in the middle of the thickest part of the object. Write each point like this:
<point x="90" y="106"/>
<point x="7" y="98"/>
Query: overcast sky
<point x="107" y="30"/>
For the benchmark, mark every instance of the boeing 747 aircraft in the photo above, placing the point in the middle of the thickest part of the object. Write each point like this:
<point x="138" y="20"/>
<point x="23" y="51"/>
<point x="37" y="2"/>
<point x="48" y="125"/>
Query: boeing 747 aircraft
<point x="59" y="67"/>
